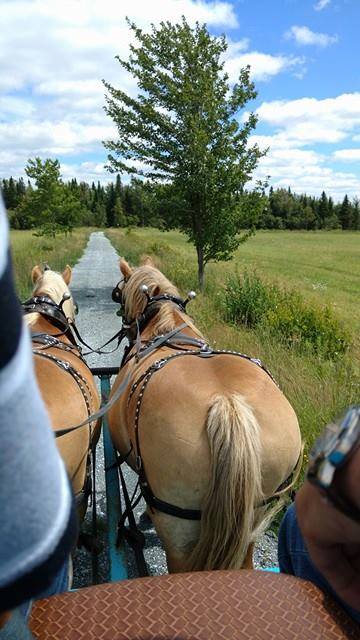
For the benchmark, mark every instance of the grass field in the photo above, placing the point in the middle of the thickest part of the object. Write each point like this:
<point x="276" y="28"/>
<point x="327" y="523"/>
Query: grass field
<point x="28" y="250"/>
<point x="323" y="266"/>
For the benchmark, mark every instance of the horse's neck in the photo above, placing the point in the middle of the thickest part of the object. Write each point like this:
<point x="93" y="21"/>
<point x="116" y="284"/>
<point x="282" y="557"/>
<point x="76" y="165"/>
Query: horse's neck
<point x="39" y="324"/>
<point x="153" y="328"/>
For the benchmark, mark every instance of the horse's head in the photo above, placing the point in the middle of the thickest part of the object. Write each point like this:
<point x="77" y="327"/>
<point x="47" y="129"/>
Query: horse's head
<point x="55" y="285"/>
<point x="130" y="291"/>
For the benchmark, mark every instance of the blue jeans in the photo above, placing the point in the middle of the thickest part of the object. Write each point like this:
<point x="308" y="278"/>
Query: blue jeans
<point x="294" y="558"/>
<point x="16" y="628"/>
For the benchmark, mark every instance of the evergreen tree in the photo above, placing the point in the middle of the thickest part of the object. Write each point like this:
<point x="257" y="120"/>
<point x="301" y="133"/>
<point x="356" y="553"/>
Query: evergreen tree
<point x="356" y="214"/>
<point x="11" y="194"/>
<point x="323" y="210"/>
<point x="345" y="213"/>
<point x="119" y="216"/>
<point x="110" y="205"/>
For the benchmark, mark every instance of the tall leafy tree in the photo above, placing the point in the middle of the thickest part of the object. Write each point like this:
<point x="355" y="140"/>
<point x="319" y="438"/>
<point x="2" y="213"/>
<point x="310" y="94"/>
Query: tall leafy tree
<point x="184" y="129"/>
<point x="52" y="206"/>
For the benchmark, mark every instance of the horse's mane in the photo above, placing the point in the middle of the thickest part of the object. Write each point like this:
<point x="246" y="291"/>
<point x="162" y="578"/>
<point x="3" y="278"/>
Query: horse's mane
<point x="167" y="317"/>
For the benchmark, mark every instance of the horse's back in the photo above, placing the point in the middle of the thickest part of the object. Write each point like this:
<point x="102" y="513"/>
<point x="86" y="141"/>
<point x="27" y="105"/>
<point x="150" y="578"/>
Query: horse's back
<point x="67" y="406"/>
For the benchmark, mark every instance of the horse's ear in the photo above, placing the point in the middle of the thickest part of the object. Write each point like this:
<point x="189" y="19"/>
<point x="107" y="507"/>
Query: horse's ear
<point x="147" y="262"/>
<point x="66" y="274"/>
<point x="36" y="273"/>
<point x="125" y="269"/>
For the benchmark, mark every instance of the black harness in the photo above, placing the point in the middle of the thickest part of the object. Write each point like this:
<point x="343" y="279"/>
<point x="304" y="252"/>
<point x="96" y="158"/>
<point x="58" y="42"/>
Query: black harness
<point x="53" y="312"/>
<point x="183" y="345"/>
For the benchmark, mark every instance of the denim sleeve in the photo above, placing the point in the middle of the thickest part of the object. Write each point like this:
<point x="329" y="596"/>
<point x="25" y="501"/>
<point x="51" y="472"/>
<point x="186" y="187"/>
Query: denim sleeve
<point x="38" y="525"/>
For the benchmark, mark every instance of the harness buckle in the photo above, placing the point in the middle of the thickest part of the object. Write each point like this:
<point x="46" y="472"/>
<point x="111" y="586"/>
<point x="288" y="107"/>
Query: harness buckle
<point x="158" y="364"/>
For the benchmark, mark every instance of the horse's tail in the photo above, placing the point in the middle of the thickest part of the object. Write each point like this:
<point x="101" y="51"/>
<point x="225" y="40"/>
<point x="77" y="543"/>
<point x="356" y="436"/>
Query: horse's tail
<point x="231" y="519"/>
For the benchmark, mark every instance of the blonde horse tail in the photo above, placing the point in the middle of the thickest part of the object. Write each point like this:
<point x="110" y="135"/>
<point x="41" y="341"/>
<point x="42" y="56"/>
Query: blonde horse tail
<point x="231" y="519"/>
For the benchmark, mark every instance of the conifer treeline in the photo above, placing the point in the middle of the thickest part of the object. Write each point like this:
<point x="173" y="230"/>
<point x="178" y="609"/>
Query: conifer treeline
<point x="113" y="205"/>
<point x="287" y="210"/>
<point x="138" y="204"/>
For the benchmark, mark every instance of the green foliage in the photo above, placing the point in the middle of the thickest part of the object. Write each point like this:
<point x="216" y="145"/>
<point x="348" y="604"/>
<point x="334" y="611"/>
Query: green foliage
<point x="247" y="299"/>
<point x="184" y="129"/>
<point x="52" y="206"/>
<point x="283" y="314"/>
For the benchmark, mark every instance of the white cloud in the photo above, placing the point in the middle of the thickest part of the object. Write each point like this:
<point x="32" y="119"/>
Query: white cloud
<point x="299" y="123"/>
<point x="347" y="155"/>
<point x="263" y="65"/>
<point x="13" y="106"/>
<point x="304" y="36"/>
<point x="321" y="4"/>
<point x="56" y="53"/>
<point x="306" y="172"/>
<point x="86" y="172"/>
<point x="308" y="120"/>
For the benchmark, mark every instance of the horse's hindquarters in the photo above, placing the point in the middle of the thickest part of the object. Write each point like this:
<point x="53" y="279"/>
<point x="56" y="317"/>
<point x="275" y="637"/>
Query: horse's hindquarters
<point x="181" y="458"/>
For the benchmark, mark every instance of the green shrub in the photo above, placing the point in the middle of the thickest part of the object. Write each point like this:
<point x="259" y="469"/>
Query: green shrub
<point x="284" y="315"/>
<point x="247" y="299"/>
<point x="160" y="249"/>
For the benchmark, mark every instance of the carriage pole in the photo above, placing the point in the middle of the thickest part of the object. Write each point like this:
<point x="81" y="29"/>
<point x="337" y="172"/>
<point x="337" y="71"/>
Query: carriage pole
<point x="117" y="554"/>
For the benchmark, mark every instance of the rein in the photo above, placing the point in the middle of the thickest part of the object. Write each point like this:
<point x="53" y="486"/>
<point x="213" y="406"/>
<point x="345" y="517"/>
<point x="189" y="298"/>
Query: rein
<point x="52" y="311"/>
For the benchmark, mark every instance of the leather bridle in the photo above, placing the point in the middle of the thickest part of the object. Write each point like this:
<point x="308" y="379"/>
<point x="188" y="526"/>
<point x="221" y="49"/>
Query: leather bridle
<point x="52" y="311"/>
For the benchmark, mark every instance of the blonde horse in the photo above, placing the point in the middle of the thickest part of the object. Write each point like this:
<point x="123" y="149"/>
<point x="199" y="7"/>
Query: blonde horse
<point x="211" y="435"/>
<point x="65" y="381"/>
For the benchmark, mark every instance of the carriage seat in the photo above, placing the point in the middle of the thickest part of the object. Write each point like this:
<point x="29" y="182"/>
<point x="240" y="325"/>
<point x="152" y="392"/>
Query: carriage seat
<point x="198" y="606"/>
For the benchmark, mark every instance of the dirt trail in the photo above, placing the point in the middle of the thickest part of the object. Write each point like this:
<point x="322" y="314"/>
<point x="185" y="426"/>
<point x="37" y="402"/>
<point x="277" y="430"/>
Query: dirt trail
<point x="94" y="277"/>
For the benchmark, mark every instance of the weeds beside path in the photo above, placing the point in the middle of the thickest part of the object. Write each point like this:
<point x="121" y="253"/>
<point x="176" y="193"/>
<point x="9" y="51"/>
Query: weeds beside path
<point x="29" y="250"/>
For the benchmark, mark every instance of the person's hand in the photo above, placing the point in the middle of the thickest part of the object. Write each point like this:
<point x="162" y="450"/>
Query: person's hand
<point x="333" y="539"/>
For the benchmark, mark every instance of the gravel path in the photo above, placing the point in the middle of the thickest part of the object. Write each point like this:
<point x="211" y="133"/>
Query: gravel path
<point x="94" y="277"/>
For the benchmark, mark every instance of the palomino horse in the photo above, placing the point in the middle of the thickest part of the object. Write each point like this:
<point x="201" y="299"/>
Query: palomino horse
<point x="211" y="435"/>
<point x="65" y="381"/>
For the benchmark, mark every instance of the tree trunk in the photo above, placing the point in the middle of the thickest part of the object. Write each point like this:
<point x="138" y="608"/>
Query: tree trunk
<point x="201" y="267"/>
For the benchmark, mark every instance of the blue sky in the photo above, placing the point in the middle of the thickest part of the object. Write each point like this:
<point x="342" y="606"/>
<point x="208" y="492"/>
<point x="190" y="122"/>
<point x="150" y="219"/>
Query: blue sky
<point x="304" y="57"/>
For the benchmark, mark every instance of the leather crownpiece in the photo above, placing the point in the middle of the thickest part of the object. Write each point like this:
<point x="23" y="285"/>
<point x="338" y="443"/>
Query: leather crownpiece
<point x="198" y="606"/>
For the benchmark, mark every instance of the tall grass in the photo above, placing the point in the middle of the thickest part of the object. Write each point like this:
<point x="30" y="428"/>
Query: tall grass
<point x="28" y="250"/>
<point x="316" y="386"/>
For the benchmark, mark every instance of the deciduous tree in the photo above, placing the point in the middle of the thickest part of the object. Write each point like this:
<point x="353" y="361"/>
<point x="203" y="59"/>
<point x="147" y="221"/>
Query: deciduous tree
<point x="184" y="128"/>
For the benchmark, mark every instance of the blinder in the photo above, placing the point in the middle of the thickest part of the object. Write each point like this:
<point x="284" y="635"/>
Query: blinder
<point x="116" y="294"/>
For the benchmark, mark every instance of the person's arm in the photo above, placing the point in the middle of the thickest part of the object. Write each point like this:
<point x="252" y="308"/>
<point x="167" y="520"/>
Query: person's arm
<point x="333" y="539"/>
<point x="38" y="526"/>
